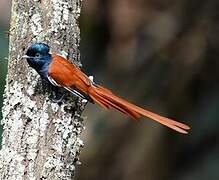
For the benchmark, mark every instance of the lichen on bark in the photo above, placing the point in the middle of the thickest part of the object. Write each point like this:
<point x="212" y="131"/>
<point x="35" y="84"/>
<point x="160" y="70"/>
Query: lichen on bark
<point x="40" y="138"/>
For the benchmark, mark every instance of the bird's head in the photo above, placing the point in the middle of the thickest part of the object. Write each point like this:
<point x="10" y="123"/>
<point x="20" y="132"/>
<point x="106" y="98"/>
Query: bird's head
<point x="38" y="55"/>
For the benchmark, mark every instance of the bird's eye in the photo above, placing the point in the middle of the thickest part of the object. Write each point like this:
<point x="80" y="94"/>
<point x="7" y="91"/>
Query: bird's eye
<point x="37" y="54"/>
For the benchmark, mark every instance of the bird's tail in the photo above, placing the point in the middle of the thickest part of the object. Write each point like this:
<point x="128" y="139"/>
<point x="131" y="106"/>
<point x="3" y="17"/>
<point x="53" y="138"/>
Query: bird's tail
<point x="108" y="100"/>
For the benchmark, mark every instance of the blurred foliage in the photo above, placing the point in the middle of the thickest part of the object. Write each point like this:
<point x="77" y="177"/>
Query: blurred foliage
<point x="4" y="31"/>
<point x="3" y="65"/>
<point x="162" y="55"/>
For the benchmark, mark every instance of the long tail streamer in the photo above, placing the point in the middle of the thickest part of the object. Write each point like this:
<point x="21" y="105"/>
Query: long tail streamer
<point x="108" y="100"/>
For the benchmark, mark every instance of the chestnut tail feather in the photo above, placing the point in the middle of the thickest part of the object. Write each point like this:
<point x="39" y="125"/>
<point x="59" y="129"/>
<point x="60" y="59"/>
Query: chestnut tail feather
<point x="108" y="100"/>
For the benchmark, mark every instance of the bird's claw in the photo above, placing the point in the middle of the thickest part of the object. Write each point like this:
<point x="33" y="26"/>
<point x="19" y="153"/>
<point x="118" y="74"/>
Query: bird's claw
<point x="57" y="99"/>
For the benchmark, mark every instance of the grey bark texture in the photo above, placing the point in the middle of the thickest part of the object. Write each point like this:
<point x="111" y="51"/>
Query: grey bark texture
<point x="40" y="138"/>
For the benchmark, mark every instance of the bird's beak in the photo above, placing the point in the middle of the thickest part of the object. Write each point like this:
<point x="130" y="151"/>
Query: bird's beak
<point x="25" y="57"/>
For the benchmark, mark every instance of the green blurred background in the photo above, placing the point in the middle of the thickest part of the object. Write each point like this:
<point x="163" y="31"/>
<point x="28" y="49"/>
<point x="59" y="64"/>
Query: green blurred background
<point x="4" y="27"/>
<point x="162" y="55"/>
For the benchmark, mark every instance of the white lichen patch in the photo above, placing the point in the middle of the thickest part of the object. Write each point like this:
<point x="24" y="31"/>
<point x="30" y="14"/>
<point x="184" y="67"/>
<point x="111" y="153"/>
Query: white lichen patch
<point x="11" y="158"/>
<point x="65" y="13"/>
<point x="57" y="14"/>
<point x="51" y="164"/>
<point x="61" y="16"/>
<point x="44" y="119"/>
<point x="54" y="106"/>
<point x="15" y="96"/>
<point x="25" y="25"/>
<point x="25" y="107"/>
<point x="76" y="9"/>
<point x="36" y="25"/>
<point x="32" y="78"/>
<point x="64" y="127"/>
<point x="30" y="90"/>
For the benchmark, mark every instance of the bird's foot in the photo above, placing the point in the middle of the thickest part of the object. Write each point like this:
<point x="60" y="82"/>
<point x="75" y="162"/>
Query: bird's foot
<point x="57" y="99"/>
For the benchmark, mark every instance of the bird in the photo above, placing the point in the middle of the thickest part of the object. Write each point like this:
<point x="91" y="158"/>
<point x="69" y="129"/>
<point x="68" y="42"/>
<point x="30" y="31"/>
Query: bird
<point x="60" y="72"/>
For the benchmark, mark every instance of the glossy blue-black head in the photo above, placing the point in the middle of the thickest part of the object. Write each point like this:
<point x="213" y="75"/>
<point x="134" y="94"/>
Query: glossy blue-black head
<point x="37" y="50"/>
<point x="38" y="57"/>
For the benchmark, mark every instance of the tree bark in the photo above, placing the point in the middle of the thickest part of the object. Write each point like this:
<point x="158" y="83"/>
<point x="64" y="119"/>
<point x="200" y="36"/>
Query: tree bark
<point x="40" y="138"/>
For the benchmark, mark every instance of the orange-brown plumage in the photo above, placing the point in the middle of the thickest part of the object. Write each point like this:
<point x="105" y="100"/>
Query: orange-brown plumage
<point x="68" y="75"/>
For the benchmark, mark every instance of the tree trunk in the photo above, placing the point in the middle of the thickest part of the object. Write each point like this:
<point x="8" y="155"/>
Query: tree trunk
<point x="40" y="138"/>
